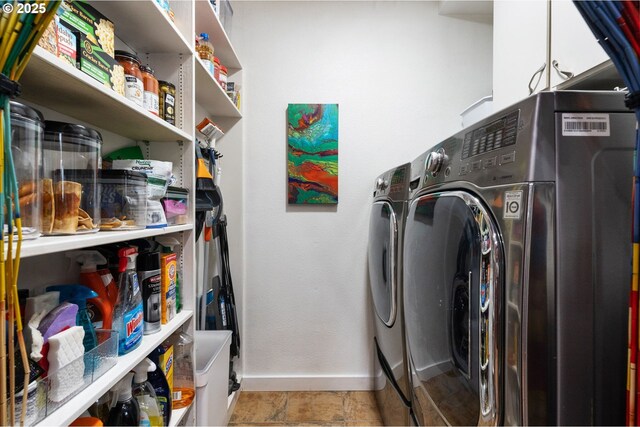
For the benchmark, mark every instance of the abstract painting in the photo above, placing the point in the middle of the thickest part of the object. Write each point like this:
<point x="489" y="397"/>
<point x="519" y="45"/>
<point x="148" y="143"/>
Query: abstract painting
<point x="312" y="153"/>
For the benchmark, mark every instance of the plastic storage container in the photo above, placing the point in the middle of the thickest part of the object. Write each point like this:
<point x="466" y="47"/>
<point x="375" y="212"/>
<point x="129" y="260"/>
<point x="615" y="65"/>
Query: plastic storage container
<point x="123" y="204"/>
<point x="70" y="152"/>
<point x="212" y="377"/>
<point x="93" y="363"/>
<point x="27" y="128"/>
<point x="176" y="205"/>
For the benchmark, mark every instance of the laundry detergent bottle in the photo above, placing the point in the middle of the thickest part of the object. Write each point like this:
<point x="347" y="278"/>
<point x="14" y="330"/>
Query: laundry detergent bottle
<point x="128" y="317"/>
<point x="150" y="415"/>
<point x="125" y="411"/>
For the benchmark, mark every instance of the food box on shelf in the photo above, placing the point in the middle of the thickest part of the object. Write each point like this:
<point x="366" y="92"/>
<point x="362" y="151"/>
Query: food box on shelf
<point x="67" y="43"/>
<point x="88" y="21"/>
<point x="95" y="62"/>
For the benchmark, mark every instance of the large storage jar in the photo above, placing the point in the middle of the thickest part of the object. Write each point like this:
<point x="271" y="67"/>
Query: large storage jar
<point x="27" y="126"/>
<point x="70" y="188"/>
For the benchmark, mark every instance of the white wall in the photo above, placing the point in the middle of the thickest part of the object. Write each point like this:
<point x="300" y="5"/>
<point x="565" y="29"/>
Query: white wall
<point x="401" y="74"/>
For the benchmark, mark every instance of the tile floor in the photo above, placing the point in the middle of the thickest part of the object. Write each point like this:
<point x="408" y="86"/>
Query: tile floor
<point x="306" y="408"/>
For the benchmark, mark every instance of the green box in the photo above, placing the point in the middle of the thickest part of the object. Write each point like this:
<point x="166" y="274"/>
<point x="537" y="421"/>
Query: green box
<point x="86" y="20"/>
<point x="94" y="62"/>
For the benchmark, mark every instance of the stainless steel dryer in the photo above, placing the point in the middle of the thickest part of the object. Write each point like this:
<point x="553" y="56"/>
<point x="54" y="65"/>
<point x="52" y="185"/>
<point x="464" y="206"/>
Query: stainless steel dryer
<point x="385" y="278"/>
<point x="517" y="266"/>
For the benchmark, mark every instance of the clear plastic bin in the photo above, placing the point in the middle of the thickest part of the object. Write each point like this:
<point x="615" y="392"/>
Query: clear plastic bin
<point x="27" y="127"/>
<point x="123" y="204"/>
<point x="176" y="205"/>
<point x="68" y="149"/>
<point x="95" y="363"/>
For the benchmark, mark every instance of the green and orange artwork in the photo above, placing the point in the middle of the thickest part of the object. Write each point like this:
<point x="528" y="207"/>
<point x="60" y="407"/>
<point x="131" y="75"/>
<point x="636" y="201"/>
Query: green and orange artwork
<point x="312" y="153"/>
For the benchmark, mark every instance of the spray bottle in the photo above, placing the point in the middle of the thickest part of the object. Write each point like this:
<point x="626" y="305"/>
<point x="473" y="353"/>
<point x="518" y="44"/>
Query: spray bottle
<point x="79" y="295"/>
<point x="125" y="411"/>
<point x="90" y="277"/>
<point x="160" y="384"/>
<point x="128" y="311"/>
<point x="144" y="393"/>
<point x="168" y="246"/>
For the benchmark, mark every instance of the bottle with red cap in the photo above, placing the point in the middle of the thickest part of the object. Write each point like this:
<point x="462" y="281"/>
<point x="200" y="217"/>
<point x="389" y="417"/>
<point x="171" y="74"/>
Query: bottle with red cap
<point x="128" y="312"/>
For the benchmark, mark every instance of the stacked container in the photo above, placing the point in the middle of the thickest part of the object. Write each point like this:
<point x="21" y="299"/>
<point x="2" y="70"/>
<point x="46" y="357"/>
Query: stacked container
<point x="27" y="126"/>
<point x="124" y="200"/>
<point x="70" y="188"/>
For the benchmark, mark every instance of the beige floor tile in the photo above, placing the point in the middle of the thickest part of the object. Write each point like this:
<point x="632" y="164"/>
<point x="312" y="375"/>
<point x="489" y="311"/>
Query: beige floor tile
<point x="363" y="423"/>
<point x="361" y="406"/>
<point x="260" y="407"/>
<point x="315" y="407"/>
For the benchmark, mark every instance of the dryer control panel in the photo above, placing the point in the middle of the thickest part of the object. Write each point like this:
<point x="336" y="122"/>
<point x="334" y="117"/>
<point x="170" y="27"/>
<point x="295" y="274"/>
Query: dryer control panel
<point x="394" y="183"/>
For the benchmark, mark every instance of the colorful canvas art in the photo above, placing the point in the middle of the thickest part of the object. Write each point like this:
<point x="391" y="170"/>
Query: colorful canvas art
<point x="312" y="153"/>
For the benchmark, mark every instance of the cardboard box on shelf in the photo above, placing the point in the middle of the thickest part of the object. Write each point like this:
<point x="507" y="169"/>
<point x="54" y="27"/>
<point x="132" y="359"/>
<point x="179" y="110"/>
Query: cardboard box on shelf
<point x="67" y="43"/>
<point x="96" y="27"/>
<point x="95" y="62"/>
<point x="49" y="39"/>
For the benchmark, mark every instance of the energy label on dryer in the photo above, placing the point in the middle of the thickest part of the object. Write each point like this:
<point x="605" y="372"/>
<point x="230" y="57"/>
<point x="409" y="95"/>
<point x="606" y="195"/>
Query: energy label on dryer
<point x="512" y="204"/>
<point x="585" y="124"/>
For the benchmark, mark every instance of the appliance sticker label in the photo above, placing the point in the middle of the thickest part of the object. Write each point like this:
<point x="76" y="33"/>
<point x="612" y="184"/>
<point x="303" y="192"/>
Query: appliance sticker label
<point x="585" y="124"/>
<point x="512" y="204"/>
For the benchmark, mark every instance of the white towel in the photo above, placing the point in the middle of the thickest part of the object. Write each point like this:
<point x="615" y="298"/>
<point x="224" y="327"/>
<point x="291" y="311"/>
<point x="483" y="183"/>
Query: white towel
<point x="66" y="363"/>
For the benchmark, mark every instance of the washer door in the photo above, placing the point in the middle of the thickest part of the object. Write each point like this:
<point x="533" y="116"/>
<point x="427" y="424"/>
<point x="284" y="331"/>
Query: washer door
<point x="452" y="264"/>
<point x="383" y="241"/>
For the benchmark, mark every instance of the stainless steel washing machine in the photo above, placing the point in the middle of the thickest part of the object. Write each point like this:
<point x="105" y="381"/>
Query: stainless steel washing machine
<point x="517" y="266"/>
<point x="385" y="279"/>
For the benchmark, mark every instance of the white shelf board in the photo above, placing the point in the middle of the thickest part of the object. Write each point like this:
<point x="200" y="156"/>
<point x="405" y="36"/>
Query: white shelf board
<point x="78" y="404"/>
<point x="49" y="81"/>
<point x="208" y="22"/>
<point x="51" y="244"/>
<point x="145" y="25"/>
<point x="177" y="415"/>
<point x="211" y="97"/>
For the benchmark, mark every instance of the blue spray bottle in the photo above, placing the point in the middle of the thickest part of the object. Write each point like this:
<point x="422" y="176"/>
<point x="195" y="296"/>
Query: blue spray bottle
<point x="79" y="294"/>
<point x="128" y="317"/>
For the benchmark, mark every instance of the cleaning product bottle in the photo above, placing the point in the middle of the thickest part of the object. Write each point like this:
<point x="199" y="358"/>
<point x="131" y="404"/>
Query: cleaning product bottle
<point x="109" y="283"/>
<point x="161" y="386"/>
<point x="128" y="311"/>
<point x="101" y="312"/>
<point x="168" y="247"/>
<point x="144" y="393"/>
<point x="125" y="411"/>
<point x="79" y="295"/>
<point x="150" y="281"/>
<point x="183" y="384"/>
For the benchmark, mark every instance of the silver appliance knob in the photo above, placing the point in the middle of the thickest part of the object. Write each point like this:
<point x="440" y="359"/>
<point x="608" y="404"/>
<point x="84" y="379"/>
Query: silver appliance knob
<point x="435" y="161"/>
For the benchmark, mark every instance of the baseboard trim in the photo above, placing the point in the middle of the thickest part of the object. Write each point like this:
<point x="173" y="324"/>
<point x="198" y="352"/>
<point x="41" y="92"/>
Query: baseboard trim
<point x="341" y="383"/>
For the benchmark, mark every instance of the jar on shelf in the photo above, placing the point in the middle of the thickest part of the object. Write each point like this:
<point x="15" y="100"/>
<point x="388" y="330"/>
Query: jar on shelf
<point x="27" y="128"/>
<point x="216" y="69"/>
<point x="133" y="86"/>
<point x="151" y="101"/>
<point x="167" y="102"/>
<point x="223" y="77"/>
<point x="70" y="187"/>
<point x="205" y="51"/>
